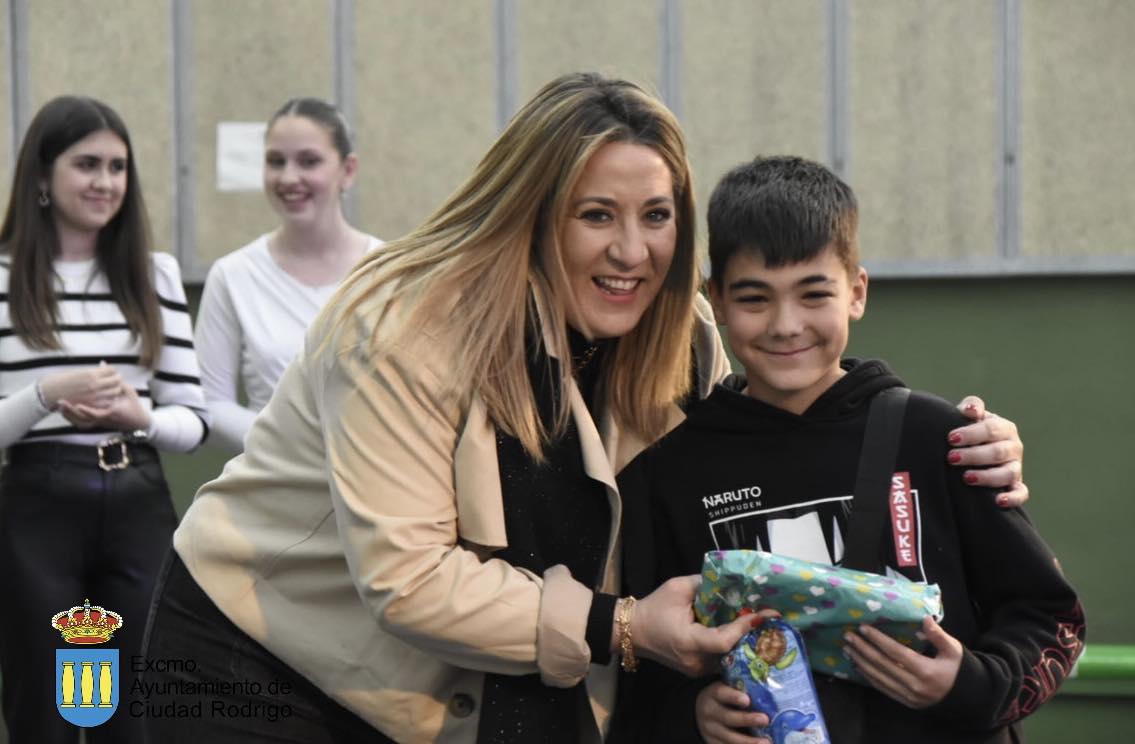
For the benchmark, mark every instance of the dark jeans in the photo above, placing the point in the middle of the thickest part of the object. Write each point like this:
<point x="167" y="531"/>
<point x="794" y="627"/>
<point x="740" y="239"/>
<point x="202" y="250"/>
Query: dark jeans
<point x="70" y="531"/>
<point x="206" y="680"/>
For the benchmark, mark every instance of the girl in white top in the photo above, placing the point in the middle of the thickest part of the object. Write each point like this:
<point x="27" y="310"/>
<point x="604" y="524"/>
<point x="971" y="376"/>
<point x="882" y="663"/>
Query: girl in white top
<point x="259" y="300"/>
<point x="96" y="371"/>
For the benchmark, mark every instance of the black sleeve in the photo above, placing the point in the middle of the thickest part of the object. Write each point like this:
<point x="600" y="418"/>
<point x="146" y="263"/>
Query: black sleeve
<point x="1031" y="621"/>
<point x="639" y="573"/>
<point x="599" y="622"/>
<point x="656" y="704"/>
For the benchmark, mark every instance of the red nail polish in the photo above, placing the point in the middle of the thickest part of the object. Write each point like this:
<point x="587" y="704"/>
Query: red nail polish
<point x="1002" y="500"/>
<point x="954" y="457"/>
<point x="955" y="438"/>
<point x="971" y="478"/>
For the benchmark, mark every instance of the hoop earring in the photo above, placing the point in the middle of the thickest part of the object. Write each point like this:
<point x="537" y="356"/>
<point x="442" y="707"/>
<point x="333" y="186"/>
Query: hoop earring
<point x="44" y="199"/>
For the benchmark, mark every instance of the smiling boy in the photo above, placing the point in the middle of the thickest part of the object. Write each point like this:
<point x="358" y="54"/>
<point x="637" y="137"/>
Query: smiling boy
<point x="769" y="462"/>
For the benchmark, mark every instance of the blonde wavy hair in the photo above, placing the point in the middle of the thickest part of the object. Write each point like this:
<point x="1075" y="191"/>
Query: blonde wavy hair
<point x="482" y="248"/>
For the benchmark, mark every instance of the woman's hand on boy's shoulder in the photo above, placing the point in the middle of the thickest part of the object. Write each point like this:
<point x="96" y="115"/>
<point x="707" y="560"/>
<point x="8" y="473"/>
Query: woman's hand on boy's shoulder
<point x="991" y="449"/>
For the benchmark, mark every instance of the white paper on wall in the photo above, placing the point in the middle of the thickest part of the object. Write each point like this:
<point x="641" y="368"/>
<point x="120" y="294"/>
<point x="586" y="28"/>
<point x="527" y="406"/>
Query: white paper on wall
<point x="240" y="155"/>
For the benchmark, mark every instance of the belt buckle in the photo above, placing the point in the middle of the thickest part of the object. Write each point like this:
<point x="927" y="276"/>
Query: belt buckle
<point x="124" y="459"/>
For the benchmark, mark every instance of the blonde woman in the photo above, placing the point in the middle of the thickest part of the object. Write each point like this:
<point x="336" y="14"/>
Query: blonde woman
<point x="422" y="534"/>
<point x="259" y="300"/>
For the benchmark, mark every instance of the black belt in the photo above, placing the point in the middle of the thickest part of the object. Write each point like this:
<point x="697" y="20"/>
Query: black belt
<point x="108" y="456"/>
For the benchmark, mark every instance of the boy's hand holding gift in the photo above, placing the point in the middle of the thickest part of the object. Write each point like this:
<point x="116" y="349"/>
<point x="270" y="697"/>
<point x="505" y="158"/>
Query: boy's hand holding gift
<point x="723" y="714"/>
<point x="902" y="674"/>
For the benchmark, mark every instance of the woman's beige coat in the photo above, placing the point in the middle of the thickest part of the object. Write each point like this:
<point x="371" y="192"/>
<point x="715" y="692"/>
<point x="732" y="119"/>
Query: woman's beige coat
<point x="354" y="536"/>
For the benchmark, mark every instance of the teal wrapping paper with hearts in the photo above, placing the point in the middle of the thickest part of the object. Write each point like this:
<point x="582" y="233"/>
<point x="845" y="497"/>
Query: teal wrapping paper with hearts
<point x="822" y="602"/>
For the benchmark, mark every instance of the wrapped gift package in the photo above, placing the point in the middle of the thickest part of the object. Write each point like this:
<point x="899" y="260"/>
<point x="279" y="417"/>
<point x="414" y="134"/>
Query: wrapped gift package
<point x="822" y="602"/>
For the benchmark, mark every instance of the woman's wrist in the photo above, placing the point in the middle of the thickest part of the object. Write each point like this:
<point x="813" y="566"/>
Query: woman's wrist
<point x="144" y="423"/>
<point x="42" y="397"/>
<point x="46" y="394"/>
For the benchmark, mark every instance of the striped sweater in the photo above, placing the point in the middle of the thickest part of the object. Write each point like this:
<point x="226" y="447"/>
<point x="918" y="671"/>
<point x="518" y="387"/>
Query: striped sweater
<point x="92" y="330"/>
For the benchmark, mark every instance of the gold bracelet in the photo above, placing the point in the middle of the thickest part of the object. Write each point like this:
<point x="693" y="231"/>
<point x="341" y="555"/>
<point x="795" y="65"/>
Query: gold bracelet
<point x="626" y="645"/>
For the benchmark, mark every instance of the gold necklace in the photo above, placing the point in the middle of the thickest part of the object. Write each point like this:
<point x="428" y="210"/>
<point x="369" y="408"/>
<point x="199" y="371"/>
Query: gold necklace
<point x="578" y="365"/>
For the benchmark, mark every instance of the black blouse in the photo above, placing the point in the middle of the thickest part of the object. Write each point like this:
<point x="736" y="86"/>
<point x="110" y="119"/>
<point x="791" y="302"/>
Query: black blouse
<point x="554" y="514"/>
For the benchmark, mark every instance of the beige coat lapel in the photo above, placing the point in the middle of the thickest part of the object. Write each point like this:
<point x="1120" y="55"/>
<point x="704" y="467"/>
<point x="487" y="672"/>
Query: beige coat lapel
<point x="480" y="505"/>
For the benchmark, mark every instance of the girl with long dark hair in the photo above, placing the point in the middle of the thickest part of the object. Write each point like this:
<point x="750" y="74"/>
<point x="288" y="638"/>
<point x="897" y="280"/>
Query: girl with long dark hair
<point x="97" y="372"/>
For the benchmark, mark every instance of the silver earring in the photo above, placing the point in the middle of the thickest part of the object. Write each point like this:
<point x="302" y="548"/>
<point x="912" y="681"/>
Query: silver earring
<point x="44" y="199"/>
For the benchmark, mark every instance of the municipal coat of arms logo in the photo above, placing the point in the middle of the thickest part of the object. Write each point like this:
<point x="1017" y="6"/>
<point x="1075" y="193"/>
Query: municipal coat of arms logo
<point x="86" y="679"/>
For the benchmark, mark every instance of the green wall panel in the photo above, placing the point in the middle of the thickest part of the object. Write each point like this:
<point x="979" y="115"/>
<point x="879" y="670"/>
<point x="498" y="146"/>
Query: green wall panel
<point x="1069" y="718"/>
<point x="1055" y="356"/>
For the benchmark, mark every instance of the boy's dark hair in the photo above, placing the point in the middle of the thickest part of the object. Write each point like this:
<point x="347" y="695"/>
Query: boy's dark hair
<point x="785" y="210"/>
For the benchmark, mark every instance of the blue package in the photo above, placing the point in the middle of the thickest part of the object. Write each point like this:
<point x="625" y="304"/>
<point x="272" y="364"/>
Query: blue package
<point x="770" y="666"/>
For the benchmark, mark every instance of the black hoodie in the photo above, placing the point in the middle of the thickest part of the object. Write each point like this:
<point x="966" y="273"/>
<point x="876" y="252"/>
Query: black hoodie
<point x="739" y="473"/>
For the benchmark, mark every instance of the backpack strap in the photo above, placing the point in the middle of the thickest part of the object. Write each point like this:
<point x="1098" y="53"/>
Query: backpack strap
<point x="870" y="511"/>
